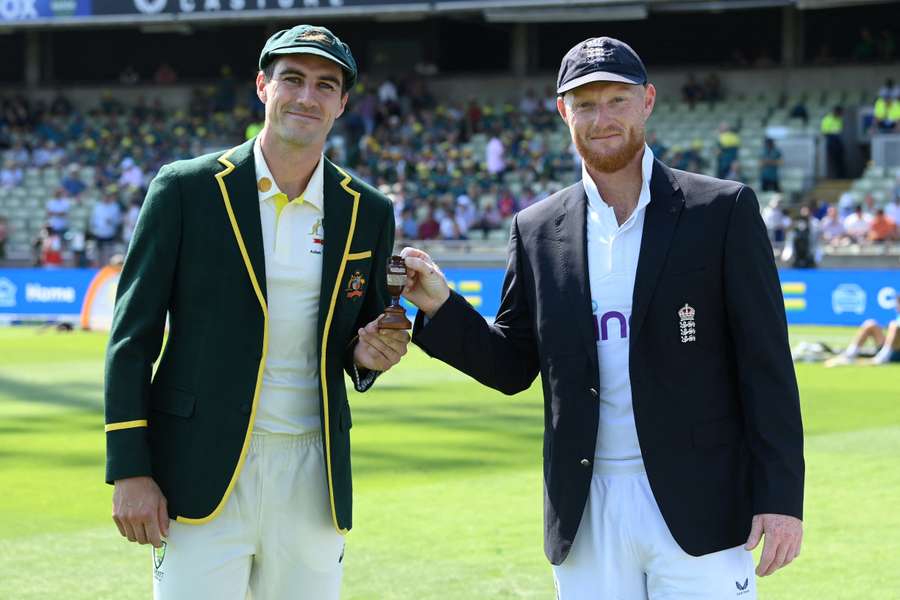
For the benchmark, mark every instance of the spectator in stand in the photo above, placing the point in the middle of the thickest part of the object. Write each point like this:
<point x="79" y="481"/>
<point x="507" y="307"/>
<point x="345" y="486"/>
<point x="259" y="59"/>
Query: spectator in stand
<point x="882" y="228"/>
<point x="47" y="155"/>
<point x="495" y="155"/>
<point x="71" y="182"/>
<point x="776" y="220"/>
<point x="866" y="47"/>
<point x="691" y="91"/>
<point x="734" y="172"/>
<point x="892" y="208"/>
<point x="712" y="89"/>
<point x="58" y="208"/>
<point x="106" y="218"/>
<point x="799" y="111"/>
<point x="833" y="232"/>
<point x="387" y="91"/>
<point x="130" y="219"/>
<point x="165" y="75"/>
<point x="4" y="235"/>
<point x="132" y="176"/>
<point x="887" y="111"/>
<point x="429" y="228"/>
<point x="491" y="219"/>
<point x="769" y="162"/>
<point x="657" y="147"/>
<point x="889" y="89"/>
<point x="409" y="228"/>
<point x="857" y="225"/>
<point x="11" y="174"/>
<point x="529" y="103"/>
<point x="832" y="128"/>
<point x="801" y="246"/>
<point x="466" y="212"/>
<point x="727" y="150"/>
<point x="129" y="76"/>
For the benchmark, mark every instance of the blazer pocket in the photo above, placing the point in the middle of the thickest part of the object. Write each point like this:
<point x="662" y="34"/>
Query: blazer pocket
<point x="722" y="432"/>
<point x="173" y="401"/>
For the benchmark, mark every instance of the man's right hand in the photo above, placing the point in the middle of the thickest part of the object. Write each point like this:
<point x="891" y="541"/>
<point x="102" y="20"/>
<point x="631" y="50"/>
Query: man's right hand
<point x="140" y="510"/>
<point x="426" y="286"/>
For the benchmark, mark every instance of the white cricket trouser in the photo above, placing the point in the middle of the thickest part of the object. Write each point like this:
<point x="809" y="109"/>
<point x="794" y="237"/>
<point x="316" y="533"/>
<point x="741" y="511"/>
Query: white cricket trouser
<point x="623" y="550"/>
<point x="273" y="540"/>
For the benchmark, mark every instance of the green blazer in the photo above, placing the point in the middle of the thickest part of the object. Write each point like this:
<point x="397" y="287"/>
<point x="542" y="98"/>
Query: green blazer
<point x="197" y="256"/>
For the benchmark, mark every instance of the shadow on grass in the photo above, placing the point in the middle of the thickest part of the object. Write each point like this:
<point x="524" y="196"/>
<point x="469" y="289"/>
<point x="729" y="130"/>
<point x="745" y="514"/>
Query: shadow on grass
<point x="76" y="394"/>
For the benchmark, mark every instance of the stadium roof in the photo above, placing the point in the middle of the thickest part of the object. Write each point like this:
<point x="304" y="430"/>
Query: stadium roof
<point x="16" y="14"/>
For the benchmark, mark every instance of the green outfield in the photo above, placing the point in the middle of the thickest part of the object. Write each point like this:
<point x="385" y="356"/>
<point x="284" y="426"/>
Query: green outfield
<point x="447" y="483"/>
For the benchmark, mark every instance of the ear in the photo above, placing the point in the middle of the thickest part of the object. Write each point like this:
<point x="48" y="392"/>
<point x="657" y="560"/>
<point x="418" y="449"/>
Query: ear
<point x="261" y="87"/>
<point x="649" y="100"/>
<point x="344" y="99"/>
<point x="562" y="109"/>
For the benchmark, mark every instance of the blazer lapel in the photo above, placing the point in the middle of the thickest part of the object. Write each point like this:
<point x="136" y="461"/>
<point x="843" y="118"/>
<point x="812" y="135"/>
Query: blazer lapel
<point x="571" y="231"/>
<point x="237" y="184"/>
<point x="340" y="210"/>
<point x="666" y="203"/>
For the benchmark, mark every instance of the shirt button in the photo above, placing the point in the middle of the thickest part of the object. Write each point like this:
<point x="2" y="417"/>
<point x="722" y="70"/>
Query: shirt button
<point x="585" y="462"/>
<point x="594" y="392"/>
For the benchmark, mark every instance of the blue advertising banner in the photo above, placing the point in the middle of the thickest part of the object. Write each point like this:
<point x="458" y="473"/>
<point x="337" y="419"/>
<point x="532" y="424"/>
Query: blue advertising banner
<point x="814" y="297"/>
<point x="28" y="10"/>
<point x="51" y="293"/>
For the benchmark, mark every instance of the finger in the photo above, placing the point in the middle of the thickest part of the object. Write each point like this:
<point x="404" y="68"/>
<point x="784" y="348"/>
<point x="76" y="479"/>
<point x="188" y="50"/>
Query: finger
<point x="755" y="533"/>
<point x="152" y="529"/>
<point x="373" y="359"/>
<point x="118" y="523"/>
<point x="396" y="339"/>
<point x="129" y="530"/>
<point x="780" y="555"/>
<point x="140" y="532"/>
<point x="767" y="556"/>
<point x="420" y="266"/>
<point x="389" y="354"/>
<point x="163" y="518"/>
<point x="414" y="253"/>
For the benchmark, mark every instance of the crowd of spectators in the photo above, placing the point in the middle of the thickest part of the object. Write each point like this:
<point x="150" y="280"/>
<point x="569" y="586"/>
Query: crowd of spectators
<point x="454" y="170"/>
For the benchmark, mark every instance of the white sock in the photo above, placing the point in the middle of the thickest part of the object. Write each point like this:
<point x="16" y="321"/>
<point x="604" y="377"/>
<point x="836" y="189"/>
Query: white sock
<point x="851" y="351"/>
<point x="884" y="355"/>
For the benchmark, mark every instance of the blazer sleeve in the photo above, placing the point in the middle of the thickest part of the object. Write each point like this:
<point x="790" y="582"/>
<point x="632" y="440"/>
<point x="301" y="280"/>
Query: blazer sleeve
<point x="504" y="355"/>
<point x="769" y="397"/>
<point x="373" y="303"/>
<point x="139" y="318"/>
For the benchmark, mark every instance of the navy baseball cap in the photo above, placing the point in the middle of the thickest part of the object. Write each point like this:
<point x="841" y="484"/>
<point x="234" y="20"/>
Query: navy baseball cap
<point x="600" y="59"/>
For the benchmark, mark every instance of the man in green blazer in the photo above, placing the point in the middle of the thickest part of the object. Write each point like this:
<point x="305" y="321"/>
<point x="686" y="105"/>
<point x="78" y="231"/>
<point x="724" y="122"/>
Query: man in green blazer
<point x="270" y="263"/>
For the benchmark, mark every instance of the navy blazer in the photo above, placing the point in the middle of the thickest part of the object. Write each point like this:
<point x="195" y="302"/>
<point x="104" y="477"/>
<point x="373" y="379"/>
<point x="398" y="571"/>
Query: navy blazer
<point x="717" y="416"/>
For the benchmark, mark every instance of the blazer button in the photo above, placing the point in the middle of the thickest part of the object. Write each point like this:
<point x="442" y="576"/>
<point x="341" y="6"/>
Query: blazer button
<point x="594" y="393"/>
<point x="585" y="462"/>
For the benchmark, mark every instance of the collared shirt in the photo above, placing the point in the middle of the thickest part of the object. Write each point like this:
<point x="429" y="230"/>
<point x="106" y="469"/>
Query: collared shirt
<point x="293" y="241"/>
<point x="613" y="252"/>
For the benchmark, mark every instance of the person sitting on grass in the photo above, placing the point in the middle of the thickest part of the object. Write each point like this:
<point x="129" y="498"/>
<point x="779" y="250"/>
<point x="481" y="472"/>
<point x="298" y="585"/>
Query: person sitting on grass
<point x="887" y="342"/>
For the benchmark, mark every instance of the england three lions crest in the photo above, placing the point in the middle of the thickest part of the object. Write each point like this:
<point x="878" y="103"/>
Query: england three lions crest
<point x="687" y="324"/>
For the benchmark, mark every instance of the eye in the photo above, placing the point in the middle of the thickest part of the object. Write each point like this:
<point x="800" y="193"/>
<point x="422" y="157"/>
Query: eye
<point x="328" y="87"/>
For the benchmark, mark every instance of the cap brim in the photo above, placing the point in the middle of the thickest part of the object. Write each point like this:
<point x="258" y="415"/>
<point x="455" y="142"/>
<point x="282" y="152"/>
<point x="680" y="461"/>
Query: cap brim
<point x="311" y="50"/>
<point x="596" y="76"/>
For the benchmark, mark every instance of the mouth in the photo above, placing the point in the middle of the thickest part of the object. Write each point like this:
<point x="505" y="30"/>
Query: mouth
<point x="607" y="136"/>
<point x="303" y="116"/>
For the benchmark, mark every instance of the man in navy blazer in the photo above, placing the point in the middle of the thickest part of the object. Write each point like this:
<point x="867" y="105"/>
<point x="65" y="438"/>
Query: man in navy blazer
<point x="648" y="300"/>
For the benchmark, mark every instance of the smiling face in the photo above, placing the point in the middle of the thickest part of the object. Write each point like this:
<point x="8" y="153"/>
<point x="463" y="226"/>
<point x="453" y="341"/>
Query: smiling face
<point x="606" y="121"/>
<point x="303" y="97"/>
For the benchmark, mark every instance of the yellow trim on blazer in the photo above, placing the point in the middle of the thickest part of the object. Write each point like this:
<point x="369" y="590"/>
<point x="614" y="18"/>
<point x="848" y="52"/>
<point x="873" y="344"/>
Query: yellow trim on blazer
<point x="125" y="425"/>
<point x="359" y="255"/>
<point x="220" y="177"/>
<point x="322" y="370"/>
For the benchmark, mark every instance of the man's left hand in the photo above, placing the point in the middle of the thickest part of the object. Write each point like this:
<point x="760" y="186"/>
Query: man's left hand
<point x="379" y="349"/>
<point x="782" y="545"/>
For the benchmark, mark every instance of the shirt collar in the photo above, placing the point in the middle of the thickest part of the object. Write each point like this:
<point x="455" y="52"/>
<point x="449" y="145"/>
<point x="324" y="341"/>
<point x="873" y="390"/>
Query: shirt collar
<point x="593" y="193"/>
<point x="314" y="192"/>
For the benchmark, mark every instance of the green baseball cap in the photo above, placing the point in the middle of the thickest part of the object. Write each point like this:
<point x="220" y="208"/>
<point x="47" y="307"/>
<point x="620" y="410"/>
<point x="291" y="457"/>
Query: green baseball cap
<point x="310" y="39"/>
